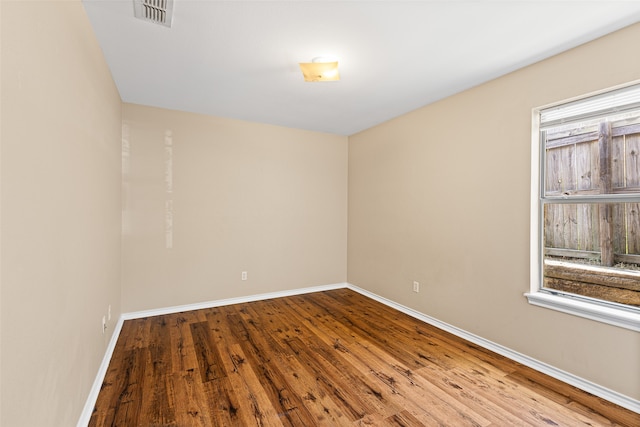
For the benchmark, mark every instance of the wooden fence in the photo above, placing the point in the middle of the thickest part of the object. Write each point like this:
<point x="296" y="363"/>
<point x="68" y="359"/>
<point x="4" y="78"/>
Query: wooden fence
<point x="603" y="158"/>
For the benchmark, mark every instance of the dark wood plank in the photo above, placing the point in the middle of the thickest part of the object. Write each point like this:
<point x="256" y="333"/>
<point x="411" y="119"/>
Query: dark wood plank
<point x="399" y="387"/>
<point x="325" y="359"/>
<point x="289" y="406"/>
<point x="191" y="405"/>
<point x="224" y="403"/>
<point x="403" y="419"/>
<point x="157" y="398"/>
<point x="254" y="406"/>
<point x="183" y="353"/>
<point x="314" y="377"/>
<point x="600" y="410"/>
<point x="120" y="397"/>
<point x="204" y="346"/>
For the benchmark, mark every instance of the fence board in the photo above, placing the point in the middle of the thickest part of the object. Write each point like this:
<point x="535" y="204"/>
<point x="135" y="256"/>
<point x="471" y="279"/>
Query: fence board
<point x="617" y="162"/>
<point x="587" y="163"/>
<point x="619" y="238"/>
<point x="573" y="166"/>
<point x="606" y="210"/>
<point x="633" y="228"/>
<point x="632" y="160"/>
<point x="551" y="233"/>
<point x="589" y="255"/>
<point x="587" y="216"/>
<point x="561" y="169"/>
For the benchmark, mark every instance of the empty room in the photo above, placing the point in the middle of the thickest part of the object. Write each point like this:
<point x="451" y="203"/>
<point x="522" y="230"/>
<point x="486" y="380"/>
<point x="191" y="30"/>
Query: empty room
<point x="298" y="213"/>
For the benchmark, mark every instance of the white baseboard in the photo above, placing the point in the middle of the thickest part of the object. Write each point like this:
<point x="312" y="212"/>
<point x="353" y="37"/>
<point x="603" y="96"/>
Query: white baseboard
<point x="229" y="301"/>
<point x="85" y="416"/>
<point x="582" y="384"/>
<point x="578" y="382"/>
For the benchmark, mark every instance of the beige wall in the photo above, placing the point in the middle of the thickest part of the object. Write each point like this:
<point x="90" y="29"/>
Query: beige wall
<point x="61" y="138"/>
<point x="243" y="196"/>
<point x="441" y="196"/>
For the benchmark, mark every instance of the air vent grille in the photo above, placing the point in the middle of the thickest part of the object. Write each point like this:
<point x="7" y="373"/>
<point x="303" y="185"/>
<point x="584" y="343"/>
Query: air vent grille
<point x="157" y="11"/>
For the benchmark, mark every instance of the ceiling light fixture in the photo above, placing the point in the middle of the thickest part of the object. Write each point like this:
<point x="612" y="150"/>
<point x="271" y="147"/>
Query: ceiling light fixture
<point x="320" y="69"/>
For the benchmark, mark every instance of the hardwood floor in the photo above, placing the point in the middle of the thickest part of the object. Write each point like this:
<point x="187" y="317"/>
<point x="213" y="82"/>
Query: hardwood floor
<point x="333" y="358"/>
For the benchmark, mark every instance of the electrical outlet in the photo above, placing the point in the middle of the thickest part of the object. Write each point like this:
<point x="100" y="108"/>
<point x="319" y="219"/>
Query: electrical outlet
<point x="104" y="324"/>
<point x="416" y="287"/>
<point x="244" y="275"/>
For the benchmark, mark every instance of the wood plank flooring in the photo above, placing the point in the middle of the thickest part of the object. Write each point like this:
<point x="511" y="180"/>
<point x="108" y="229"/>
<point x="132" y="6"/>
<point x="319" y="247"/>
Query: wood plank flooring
<point x="333" y="358"/>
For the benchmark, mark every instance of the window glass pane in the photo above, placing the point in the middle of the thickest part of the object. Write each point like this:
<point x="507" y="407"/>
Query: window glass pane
<point x="593" y="157"/>
<point x="593" y="249"/>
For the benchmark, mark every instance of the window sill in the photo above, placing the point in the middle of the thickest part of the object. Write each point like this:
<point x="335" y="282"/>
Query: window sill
<point x="628" y="319"/>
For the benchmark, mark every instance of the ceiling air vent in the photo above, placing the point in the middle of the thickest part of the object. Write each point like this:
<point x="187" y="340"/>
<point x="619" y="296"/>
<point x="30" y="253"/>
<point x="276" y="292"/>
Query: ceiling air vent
<point x="157" y="11"/>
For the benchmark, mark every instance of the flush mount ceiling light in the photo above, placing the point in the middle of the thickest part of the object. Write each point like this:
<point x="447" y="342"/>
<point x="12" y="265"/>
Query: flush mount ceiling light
<point x="320" y="69"/>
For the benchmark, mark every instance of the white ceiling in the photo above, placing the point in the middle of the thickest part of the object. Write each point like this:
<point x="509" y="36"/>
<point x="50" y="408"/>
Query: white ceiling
<point x="239" y="59"/>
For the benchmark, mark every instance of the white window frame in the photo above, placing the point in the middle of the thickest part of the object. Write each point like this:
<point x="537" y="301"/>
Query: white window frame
<point x="614" y="314"/>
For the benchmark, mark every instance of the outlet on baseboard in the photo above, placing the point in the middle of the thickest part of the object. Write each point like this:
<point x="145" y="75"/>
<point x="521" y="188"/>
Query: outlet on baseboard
<point x="244" y="275"/>
<point x="416" y="286"/>
<point x="104" y="324"/>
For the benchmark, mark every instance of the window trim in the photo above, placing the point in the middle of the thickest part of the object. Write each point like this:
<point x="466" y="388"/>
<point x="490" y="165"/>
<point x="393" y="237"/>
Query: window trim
<point x="593" y="310"/>
<point x="601" y="311"/>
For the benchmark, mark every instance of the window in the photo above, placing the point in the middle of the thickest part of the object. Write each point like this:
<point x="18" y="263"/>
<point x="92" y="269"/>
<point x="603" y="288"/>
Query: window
<point x="585" y="220"/>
